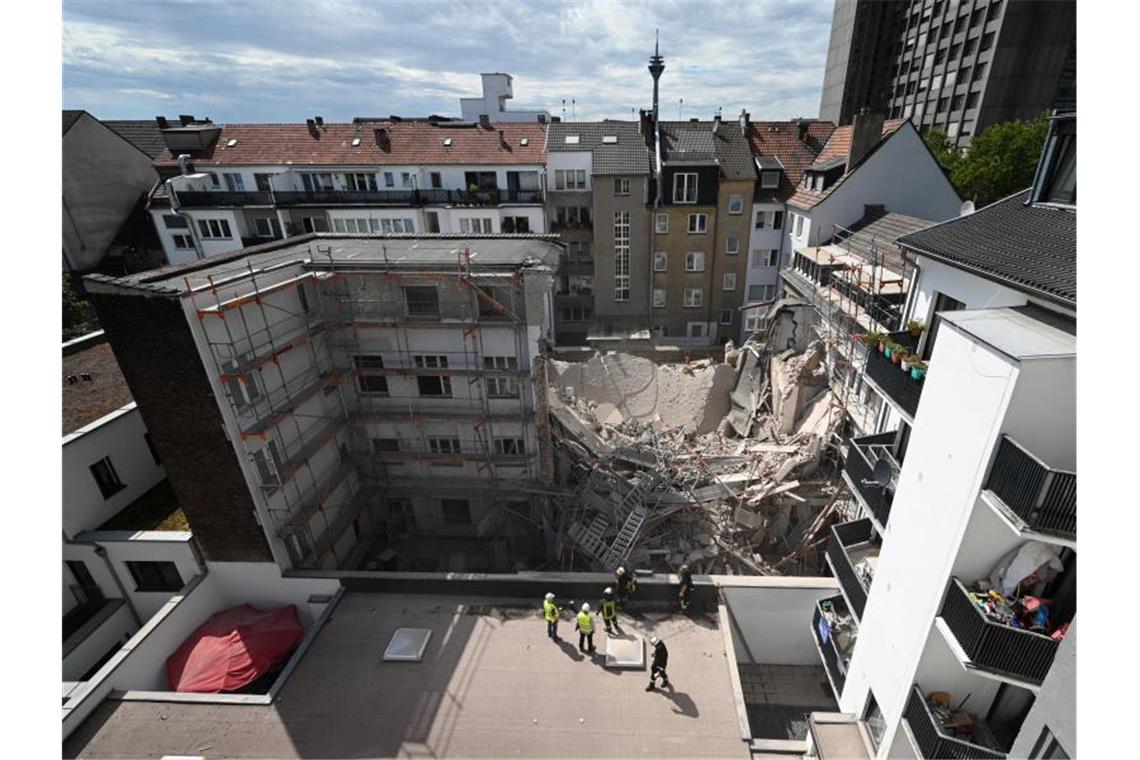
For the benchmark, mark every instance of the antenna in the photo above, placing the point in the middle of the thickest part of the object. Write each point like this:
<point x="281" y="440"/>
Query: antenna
<point x="573" y="116"/>
<point x="564" y="109"/>
<point x="681" y="110"/>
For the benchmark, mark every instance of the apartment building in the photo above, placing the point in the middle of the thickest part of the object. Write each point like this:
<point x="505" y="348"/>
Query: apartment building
<point x="498" y="88"/>
<point x="225" y="187"/>
<point x="598" y="183"/>
<point x="356" y="399"/>
<point x="954" y="632"/>
<point x="958" y="66"/>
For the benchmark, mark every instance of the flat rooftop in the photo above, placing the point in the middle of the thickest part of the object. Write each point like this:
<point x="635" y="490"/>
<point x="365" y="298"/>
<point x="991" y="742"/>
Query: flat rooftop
<point x="85" y="401"/>
<point x="490" y="685"/>
<point x="1014" y="332"/>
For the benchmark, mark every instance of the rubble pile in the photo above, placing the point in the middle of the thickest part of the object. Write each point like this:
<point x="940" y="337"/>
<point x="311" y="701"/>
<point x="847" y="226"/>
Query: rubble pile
<point x="688" y="464"/>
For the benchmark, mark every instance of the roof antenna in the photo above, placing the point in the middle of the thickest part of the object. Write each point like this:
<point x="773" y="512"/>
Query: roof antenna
<point x="681" y="110"/>
<point x="563" y="109"/>
<point x="573" y="112"/>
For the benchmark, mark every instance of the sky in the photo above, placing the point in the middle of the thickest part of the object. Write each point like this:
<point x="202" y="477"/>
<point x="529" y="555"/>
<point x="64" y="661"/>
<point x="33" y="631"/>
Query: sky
<point x="288" y="60"/>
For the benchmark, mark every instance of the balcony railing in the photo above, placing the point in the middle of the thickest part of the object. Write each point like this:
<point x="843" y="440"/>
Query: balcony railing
<point x="899" y="386"/>
<point x="932" y="739"/>
<point x="862" y="453"/>
<point x="850" y="543"/>
<point x="993" y="646"/>
<point x="1044" y="498"/>
<point x="833" y="662"/>
<point x="344" y="197"/>
<point x="214" y="198"/>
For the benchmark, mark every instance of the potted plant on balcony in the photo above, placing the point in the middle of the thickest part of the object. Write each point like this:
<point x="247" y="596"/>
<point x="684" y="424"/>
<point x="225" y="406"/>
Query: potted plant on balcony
<point x="871" y="339"/>
<point x="897" y="352"/>
<point x="915" y="327"/>
<point x="918" y="369"/>
<point x="906" y="360"/>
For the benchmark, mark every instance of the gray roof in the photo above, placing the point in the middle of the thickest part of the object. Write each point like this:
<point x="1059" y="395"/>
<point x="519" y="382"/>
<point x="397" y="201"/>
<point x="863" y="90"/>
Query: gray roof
<point x="629" y="155"/>
<point x="69" y="119"/>
<point x="438" y="251"/>
<point x="695" y="141"/>
<point x="831" y="163"/>
<point x="880" y="230"/>
<point x="1032" y="248"/>
<point x="144" y="134"/>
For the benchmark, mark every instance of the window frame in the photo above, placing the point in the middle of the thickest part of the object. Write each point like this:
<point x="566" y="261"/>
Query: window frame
<point x="681" y="181"/>
<point x="663" y="258"/>
<point x="738" y="200"/>
<point x="162" y="582"/>
<point x="111" y="483"/>
<point x="729" y="276"/>
<point x="621" y="186"/>
<point x="691" y="303"/>
<point x="690" y="269"/>
<point x="702" y="223"/>
<point x="658" y="227"/>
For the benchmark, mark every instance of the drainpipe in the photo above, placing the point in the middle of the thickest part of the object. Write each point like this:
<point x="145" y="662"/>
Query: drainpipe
<point x="101" y="552"/>
<point x="184" y="169"/>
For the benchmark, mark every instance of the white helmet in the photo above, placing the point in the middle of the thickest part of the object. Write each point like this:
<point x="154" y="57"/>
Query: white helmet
<point x="549" y="596"/>
<point x="621" y="571"/>
<point x="585" y="606"/>
<point x="608" y="590"/>
<point x="654" y="641"/>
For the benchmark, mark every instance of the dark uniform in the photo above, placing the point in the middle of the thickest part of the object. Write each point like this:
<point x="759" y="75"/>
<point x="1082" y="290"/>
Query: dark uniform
<point x="609" y="611"/>
<point x="686" y="587"/>
<point x="626" y="584"/>
<point x="660" y="660"/>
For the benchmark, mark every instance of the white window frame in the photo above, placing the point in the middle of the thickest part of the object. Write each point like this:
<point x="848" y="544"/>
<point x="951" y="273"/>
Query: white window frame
<point x="659" y="298"/>
<point x="701" y="223"/>
<point x="661" y="223"/>
<point x="685" y="187"/>
<point x="235" y="183"/>
<point x="660" y="261"/>
<point x="732" y="245"/>
<point x="698" y="257"/>
<point x="769" y="185"/>
<point x="621" y="186"/>
<point x="694" y="298"/>
<point x="622" y="280"/>
<point x="729" y="281"/>
<point x="765" y="258"/>
<point x="696" y="329"/>
<point x="182" y="242"/>
<point x="570" y="179"/>
<point x="215" y="229"/>
<point x="736" y="201"/>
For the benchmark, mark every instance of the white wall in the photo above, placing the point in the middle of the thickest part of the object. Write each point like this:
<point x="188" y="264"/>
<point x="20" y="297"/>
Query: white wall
<point x="561" y="160"/>
<point x="118" y="435"/>
<point x="774" y="624"/>
<point x="1042" y="415"/>
<point x="974" y="291"/>
<point x="146" y="546"/>
<point x="112" y="632"/>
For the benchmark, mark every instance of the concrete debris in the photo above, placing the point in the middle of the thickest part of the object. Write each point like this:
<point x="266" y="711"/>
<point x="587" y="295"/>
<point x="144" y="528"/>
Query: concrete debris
<point x="729" y="466"/>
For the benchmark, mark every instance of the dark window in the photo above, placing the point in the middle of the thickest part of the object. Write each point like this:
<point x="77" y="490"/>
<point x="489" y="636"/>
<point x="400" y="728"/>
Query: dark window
<point x="304" y="299"/>
<point x="106" y="477"/>
<point x="971" y="46"/>
<point x="372" y="384"/>
<point x="368" y="361"/>
<point x="940" y="56"/>
<point x="1061" y="183"/>
<point x="385" y="444"/>
<point x="993" y="11"/>
<point x="976" y="16"/>
<point x="82" y="575"/>
<point x="972" y="99"/>
<point x="262" y="181"/>
<point x="955" y="51"/>
<point x="153" y="450"/>
<point x="436" y="180"/>
<point x="175" y="222"/>
<point x="456" y="511"/>
<point x="987" y="42"/>
<point x="422" y="300"/>
<point x="873" y="718"/>
<point x="778" y="220"/>
<point x="155" y="576"/>
<point x="956" y="103"/>
<point x="942" y="303"/>
<point x="960" y="24"/>
<point x="942" y="103"/>
<point x="434" y="385"/>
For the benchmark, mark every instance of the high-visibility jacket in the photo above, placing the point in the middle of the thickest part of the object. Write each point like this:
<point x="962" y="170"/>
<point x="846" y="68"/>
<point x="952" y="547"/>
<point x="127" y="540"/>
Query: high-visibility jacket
<point x="609" y="609"/>
<point x="549" y="611"/>
<point x="585" y="622"/>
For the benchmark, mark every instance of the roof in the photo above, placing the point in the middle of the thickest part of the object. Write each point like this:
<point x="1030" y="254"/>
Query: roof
<point x="1032" y="248"/>
<point x="881" y="229"/>
<point x="629" y="155"/>
<point x="144" y="134"/>
<point x="1014" y="332"/>
<point x="69" y="119"/>
<point x="780" y="140"/>
<point x="490" y="684"/>
<point x="88" y="400"/>
<point x="837" y="147"/>
<point x="411" y="143"/>
<point x="392" y="251"/>
<point x="695" y="141"/>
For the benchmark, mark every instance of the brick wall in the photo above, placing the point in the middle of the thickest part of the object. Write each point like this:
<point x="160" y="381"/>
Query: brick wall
<point x="155" y="350"/>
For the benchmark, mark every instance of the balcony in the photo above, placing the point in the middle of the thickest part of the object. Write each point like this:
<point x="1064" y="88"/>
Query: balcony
<point x="287" y="198"/>
<point x="941" y="733"/>
<point x="834" y="632"/>
<point x="852" y="553"/>
<point x="993" y="646"/>
<point x="862" y="453"/>
<point x="1039" y="497"/>
<point x="221" y="198"/>
<point x="899" y="387"/>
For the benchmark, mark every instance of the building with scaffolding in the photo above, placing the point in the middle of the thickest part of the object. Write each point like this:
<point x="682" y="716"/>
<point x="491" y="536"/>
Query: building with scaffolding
<point x="334" y="400"/>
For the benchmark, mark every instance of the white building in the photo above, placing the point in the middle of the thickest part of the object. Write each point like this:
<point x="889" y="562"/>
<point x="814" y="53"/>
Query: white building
<point x="232" y="186"/>
<point x="497" y="90"/>
<point x="969" y="483"/>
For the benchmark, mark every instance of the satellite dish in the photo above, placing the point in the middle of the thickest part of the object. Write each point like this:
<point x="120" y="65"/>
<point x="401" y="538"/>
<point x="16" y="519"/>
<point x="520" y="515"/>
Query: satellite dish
<point x="880" y="475"/>
<point x="967" y="208"/>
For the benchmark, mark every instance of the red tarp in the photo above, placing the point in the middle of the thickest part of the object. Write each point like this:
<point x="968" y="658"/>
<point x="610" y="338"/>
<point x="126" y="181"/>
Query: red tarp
<point x="234" y="648"/>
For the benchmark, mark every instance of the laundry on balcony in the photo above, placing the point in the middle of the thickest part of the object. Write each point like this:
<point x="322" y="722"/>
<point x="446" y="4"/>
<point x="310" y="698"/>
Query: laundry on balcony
<point x="958" y="723"/>
<point x="838" y="626"/>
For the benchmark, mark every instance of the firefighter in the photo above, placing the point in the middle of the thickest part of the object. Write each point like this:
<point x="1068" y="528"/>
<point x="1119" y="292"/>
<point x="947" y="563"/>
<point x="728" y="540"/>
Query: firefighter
<point x="626" y="583"/>
<point x="686" y="587"/>
<point x="585" y="628"/>
<point x="551" y="612"/>
<point x="660" y="660"/>
<point x="609" y="610"/>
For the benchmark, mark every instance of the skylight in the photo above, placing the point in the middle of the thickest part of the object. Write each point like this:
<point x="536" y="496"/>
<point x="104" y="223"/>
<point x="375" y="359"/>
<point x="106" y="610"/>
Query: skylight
<point x="231" y="143"/>
<point x="447" y="142"/>
<point x="609" y="139"/>
<point x="356" y="142"/>
<point x="525" y="141"/>
<point x="571" y="139"/>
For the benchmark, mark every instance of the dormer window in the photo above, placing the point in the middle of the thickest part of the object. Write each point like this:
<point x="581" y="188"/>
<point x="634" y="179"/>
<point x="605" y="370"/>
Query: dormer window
<point x="571" y="139"/>
<point x="769" y="179"/>
<point x="1058" y="178"/>
<point x="609" y="139"/>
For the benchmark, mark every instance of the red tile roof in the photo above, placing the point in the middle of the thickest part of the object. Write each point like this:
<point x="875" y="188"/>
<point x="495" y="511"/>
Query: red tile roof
<point x="410" y="143"/>
<point x="838" y="146"/>
<point x="781" y="140"/>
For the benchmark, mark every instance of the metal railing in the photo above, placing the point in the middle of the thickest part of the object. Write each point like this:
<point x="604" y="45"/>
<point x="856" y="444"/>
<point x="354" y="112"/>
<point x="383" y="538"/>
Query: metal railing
<point x="844" y="535"/>
<point x="211" y="198"/>
<point x="343" y="197"/>
<point x="862" y="453"/>
<point x="1044" y="498"/>
<point x="831" y="659"/>
<point x="899" y="386"/>
<point x="932" y="741"/>
<point x="993" y="646"/>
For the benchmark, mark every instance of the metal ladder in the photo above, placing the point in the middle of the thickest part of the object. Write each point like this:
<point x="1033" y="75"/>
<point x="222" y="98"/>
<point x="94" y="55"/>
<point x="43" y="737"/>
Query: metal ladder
<point x="591" y="541"/>
<point x="621" y="546"/>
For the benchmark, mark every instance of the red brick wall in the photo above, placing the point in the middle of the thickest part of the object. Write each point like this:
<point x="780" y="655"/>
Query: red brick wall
<point x="156" y="352"/>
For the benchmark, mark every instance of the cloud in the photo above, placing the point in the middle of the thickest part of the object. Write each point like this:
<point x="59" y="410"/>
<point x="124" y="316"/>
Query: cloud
<point x="278" y="61"/>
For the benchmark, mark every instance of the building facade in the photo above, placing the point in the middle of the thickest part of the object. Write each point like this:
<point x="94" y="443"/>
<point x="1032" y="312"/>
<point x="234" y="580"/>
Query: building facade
<point x="860" y="51"/>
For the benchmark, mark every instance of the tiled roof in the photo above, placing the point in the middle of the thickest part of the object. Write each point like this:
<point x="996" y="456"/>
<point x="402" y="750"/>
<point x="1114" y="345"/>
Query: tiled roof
<point x="629" y="155"/>
<point x="695" y="141"/>
<point x="880" y="230"/>
<point x="1031" y="248"/>
<point x="780" y="139"/>
<point x="144" y="134"/>
<point x="838" y="146"/>
<point x="87" y="400"/>
<point x="411" y="143"/>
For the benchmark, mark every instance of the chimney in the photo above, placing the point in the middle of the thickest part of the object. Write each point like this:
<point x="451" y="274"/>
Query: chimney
<point x="716" y="122"/>
<point x="542" y="118"/>
<point x="801" y="130"/>
<point x="503" y="140"/>
<point x="382" y="139"/>
<point x="745" y="122"/>
<point x="484" y="121"/>
<point x="320" y="120"/>
<point x="184" y="164"/>
<point x="186" y="119"/>
<point x="866" y="131"/>
<point x="161" y="122"/>
<point x="312" y="125"/>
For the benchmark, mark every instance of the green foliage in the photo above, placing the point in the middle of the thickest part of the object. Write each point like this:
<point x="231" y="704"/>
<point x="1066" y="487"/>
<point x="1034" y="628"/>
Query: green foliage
<point x="78" y="315"/>
<point x="942" y="148"/>
<point x="999" y="161"/>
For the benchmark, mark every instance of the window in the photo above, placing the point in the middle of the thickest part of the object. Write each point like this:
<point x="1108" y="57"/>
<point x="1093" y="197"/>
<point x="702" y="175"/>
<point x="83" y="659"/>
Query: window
<point x="972" y="99"/>
<point x="263" y="181"/>
<point x="940" y="56"/>
<point x="573" y="216"/>
<point x="455" y="511"/>
<point x="242" y="386"/>
<point x="106" y="477"/>
<point x="799" y="226"/>
<point x="475" y="225"/>
<point x="770" y="179"/>
<point x="735" y="203"/>
<point x="314" y="224"/>
<point x="726" y="316"/>
<point x="694" y="297"/>
<point x="214" y="228"/>
<point x="267" y="460"/>
<point x="438" y="386"/>
<point x="421" y="300"/>
<point x="383" y="445"/>
<point x="444" y="446"/>
<point x="1060" y="182"/>
<point x="684" y="188"/>
<point x="398" y="226"/>
<point x="732" y="245"/>
<point x="373" y="384"/>
<point x="979" y="72"/>
<point x="182" y="242"/>
<point x="942" y="103"/>
<point x="761" y="292"/>
<point x="405" y="179"/>
<point x="695" y="261"/>
<point x="155" y="576"/>
<point x="569" y="179"/>
<point x="516" y="224"/>
<point x="153" y="450"/>
<point x="659" y="298"/>
<point x="971" y="46"/>
<point x="173" y="222"/>
<point x="389" y="179"/>
<point x="577" y="313"/>
<point x="621" y="186"/>
<point x="430" y="361"/>
<point x="436" y="180"/>
<point x="360" y="181"/>
<point x="987" y="43"/>
<point x="510" y="447"/>
<point x="764" y="258"/>
<point x="993" y="11"/>
<point x="621" y="256"/>
<point x="661" y="223"/>
<point x="698" y="223"/>
<point x="730" y="281"/>
<point x="960" y="24"/>
<point x="956" y="102"/>
<point x="696" y="329"/>
<point x="976" y="17"/>
<point x="234" y="182"/>
<point x="660" y="261"/>
<point x="873" y="718"/>
<point x="266" y="227"/>
<point x="502" y="387"/>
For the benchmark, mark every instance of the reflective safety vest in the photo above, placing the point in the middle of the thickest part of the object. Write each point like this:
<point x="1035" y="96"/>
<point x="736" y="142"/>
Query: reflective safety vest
<point x="549" y="611"/>
<point x="609" y="609"/>
<point x="585" y="622"/>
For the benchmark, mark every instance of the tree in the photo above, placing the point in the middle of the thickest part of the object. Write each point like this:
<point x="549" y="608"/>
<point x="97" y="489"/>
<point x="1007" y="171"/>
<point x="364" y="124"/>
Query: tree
<point x="1001" y="160"/>
<point x="944" y="151"/>
<point x="78" y="315"/>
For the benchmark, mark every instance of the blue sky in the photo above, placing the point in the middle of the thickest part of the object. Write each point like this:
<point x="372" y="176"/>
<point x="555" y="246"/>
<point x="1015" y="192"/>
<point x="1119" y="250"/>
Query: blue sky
<point x="287" y="60"/>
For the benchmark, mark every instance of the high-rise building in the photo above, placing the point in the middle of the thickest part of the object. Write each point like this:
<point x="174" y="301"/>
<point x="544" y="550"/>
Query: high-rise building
<point x="957" y="66"/>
